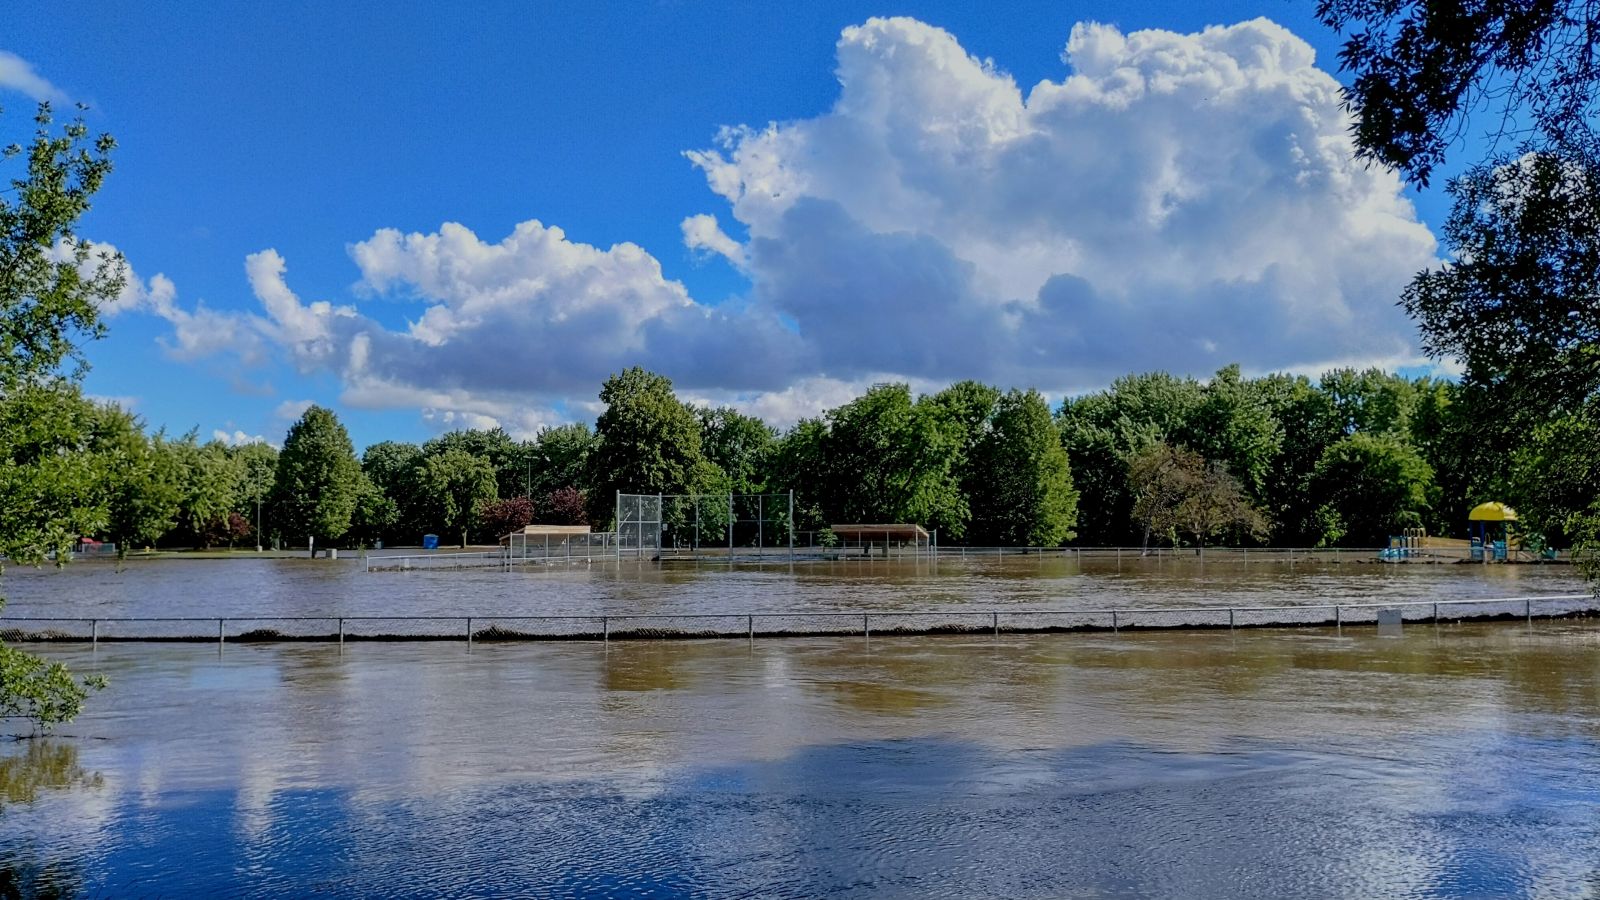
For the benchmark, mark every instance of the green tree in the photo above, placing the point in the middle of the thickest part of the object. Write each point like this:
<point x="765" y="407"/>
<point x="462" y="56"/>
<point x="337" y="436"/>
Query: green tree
<point x="318" y="480"/>
<point x="561" y="458"/>
<point x="1370" y="487"/>
<point x="739" y="445"/>
<point x="1021" y="489"/>
<point x="797" y="462"/>
<point x="141" y="483"/>
<point x="1233" y="424"/>
<point x="508" y="458"/>
<point x="1441" y="432"/>
<point x="51" y="487"/>
<point x="454" y="485"/>
<point x="1371" y="401"/>
<point x="1555" y="478"/>
<point x="1103" y="431"/>
<point x="207" y="479"/>
<point x="393" y="467"/>
<point x="649" y="443"/>
<point x="50" y="304"/>
<point x="256" y="464"/>
<point x="375" y="514"/>
<point x="1309" y="423"/>
<point x="971" y="406"/>
<point x="889" y="459"/>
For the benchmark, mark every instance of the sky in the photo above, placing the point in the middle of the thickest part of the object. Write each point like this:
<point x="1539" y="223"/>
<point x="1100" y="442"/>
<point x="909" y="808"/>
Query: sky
<point x="428" y="217"/>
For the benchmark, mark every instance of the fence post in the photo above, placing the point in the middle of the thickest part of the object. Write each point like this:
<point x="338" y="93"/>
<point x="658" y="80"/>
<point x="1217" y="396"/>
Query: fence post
<point x="1436" y="614"/>
<point x="1114" y="621"/>
<point x="94" y="632"/>
<point x="996" y="624"/>
<point x="865" y="631"/>
<point x="341" y="632"/>
<point x="219" y="631"/>
<point x="1230" y="618"/>
<point x="605" y="629"/>
<point x="1527" y="608"/>
<point x="750" y="627"/>
<point x="1338" y="617"/>
<point x="469" y="632"/>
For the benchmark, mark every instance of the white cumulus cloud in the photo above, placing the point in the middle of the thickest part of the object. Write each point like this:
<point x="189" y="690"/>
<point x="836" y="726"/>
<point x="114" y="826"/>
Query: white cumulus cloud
<point x="1172" y="201"/>
<point x="1177" y="201"/>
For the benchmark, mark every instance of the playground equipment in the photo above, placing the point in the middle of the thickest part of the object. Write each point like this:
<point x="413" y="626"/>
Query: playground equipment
<point x="1410" y="542"/>
<point x="1492" y="518"/>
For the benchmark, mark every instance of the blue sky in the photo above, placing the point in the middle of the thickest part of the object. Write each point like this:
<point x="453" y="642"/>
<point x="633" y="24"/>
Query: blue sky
<point x="928" y="227"/>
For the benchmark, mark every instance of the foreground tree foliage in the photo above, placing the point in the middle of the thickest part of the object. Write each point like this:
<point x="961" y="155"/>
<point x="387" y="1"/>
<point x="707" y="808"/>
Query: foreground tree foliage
<point x="1520" y="303"/>
<point x="52" y="481"/>
<point x="1517" y="303"/>
<point x="1420" y="67"/>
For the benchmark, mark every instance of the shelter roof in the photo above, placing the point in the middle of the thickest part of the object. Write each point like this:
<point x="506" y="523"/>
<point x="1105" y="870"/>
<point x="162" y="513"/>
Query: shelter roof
<point x="1492" y="511"/>
<point x="903" y="531"/>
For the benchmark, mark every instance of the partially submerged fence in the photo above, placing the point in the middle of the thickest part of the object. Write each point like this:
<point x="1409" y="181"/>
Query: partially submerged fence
<point x="821" y="546"/>
<point x="779" y="624"/>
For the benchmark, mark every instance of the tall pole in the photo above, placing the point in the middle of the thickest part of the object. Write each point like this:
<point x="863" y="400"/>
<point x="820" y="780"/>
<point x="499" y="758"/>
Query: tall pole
<point x="258" y="517"/>
<point x="791" y="524"/>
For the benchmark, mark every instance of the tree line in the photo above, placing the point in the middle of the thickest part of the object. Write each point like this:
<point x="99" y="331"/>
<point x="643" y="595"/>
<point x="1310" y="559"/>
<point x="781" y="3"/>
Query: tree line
<point x="1346" y="460"/>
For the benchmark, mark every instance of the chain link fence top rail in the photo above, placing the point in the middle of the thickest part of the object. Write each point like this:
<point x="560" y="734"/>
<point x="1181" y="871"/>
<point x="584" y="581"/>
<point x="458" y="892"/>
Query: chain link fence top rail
<point x="640" y="538"/>
<point x="775" y="624"/>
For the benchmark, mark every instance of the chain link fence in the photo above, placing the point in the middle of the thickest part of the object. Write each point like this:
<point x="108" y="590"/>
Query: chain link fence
<point x="776" y="624"/>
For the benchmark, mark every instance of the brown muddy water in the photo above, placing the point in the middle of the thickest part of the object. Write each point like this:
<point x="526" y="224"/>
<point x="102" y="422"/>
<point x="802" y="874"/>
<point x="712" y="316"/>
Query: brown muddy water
<point x="245" y="587"/>
<point x="1439" y="761"/>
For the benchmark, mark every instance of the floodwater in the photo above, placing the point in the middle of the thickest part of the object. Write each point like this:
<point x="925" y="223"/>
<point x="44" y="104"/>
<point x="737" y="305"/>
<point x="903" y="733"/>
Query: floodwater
<point x="245" y="587"/>
<point x="1442" y="761"/>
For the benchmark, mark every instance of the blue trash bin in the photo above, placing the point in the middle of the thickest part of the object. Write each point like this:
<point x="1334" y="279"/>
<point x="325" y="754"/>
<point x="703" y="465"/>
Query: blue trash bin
<point x="430" y="542"/>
